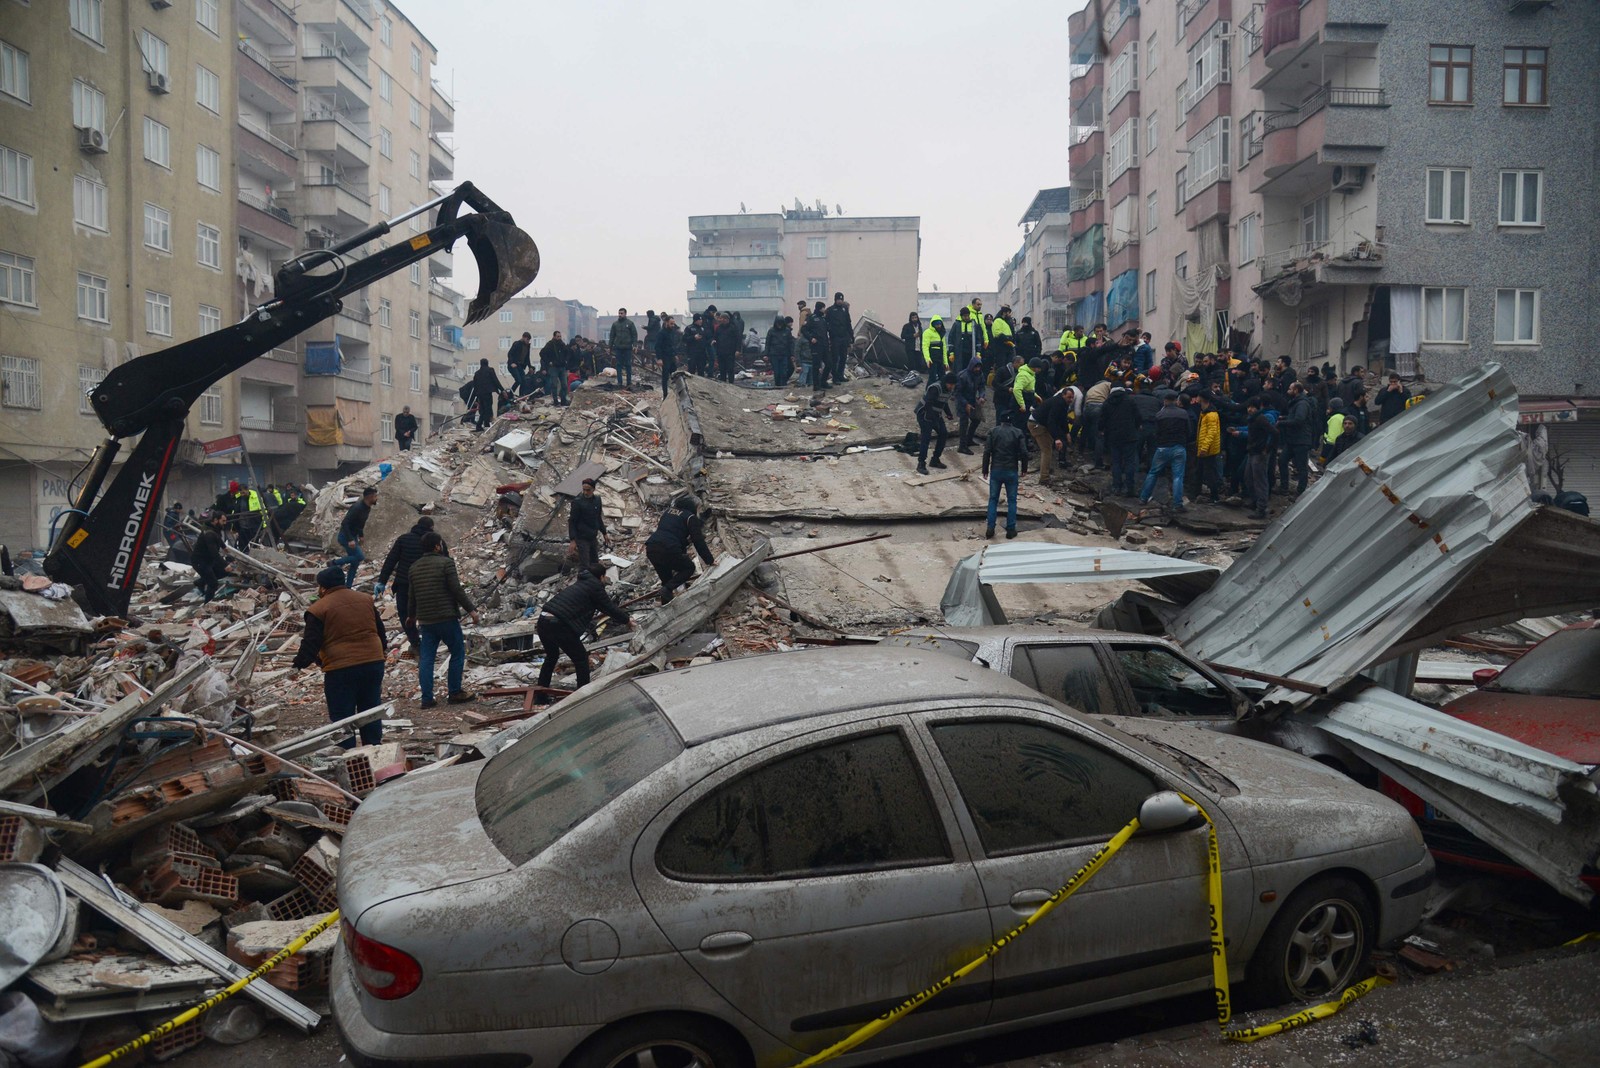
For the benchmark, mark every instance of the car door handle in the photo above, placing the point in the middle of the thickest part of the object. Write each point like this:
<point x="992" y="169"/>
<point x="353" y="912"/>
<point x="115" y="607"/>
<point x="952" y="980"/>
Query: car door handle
<point x="726" y="942"/>
<point x="1029" y="900"/>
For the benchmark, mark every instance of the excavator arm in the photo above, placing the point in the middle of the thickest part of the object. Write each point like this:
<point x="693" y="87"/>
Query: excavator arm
<point x="101" y="541"/>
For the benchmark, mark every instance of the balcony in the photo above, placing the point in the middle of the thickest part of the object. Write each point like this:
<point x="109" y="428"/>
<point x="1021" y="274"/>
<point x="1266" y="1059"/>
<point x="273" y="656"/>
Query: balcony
<point x="442" y="264"/>
<point x="273" y="14"/>
<point x="353" y="325"/>
<point x="270" y="437"/>
<point x="770" y="222"/>
<point x="273" y="371"/>
<point x="266" y="82"/>
<point x="441" y="357"/>
<point x="338" y="74"/>
<point x="336" y="135"/>
<point x="441" y="109"/>
<point x="1209" y="201"/>
<point x="746" y="304"/>
<point x="335" y="199"/>
<point x="1086" y="78"/>
<point x="441" y="159"/>
<point x="348" y="384"/>
<point x="1083" y="157"/>
<point x="443" y="305"/>
<point x="767" y="263"/>
<point x="1120" y="14"/>
<point x="1335" y="124"/>
<point x="265" y="152"/>
<point x="267" y="221"/>
<point x="1350" y="262"/>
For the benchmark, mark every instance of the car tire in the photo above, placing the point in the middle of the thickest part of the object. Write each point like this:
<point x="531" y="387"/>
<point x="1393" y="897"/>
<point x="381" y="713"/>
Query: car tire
<point x="1317" y="944"/>
<point x="670" y="1041"/>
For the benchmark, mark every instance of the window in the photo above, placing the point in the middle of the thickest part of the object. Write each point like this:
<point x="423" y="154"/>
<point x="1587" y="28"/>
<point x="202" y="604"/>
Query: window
<point x="89" y="205"/>
<point x="1180" y="265"/>
<point x="1123" y="77"/>
<point x="416" y="378"/>
<point x="505" y="344"/>
<point x="416" y="113"/>
<point x="471" y="344"/>
<point x="507" y="315"/>
<point x="1150" y="212"/>
<point x="88" y="107"/>
<point x="1030" y="787"/>
<point x="1516" y="317"/>
<point x="157" y="228"/>
<point x="208" y="246"/>
<point x="208" y="167"/>
<point x="210" y="319"/>
<point x="816" y="248"/>
<point x="14" y="74"/>
<point x="19" y="382"/>
<point x="16" y="279"/>
<point x="1150" y="131"/>
<point x="414" y="272"/>
<point x="383" y="199"/>
<point x="1449" y="74"/>
<point x="414" y="168"/>
<point x="386" y="369"/>
<point x="1248" y="145"/>
<point x="1149" y="291"/>
<point x="1209" y="155"/>
<point x="16" y="176"/>
<point x="537" y="316"/>
<point x="1314" y="223"/>
<point x="158" y="313"/>
<point x="416" y="60"/>
<point x="1182" y="182"/>
<point x="1150" y="55"/>
<point x="1067" y="673"/>
<point x="385" y="86"/>
<point x="414" y="322"/>
<point x="816" y="288"/>
<point x="386" y="427"/>
<point x="384" y="309"/>
<point x="88" y="378"/>
<point x="157" y="143"/>
<point x="853" y="806"/>
<point x="1444" y="315"/>
<point x="205" y="13"/>
<point x="94" y="298"/>
<point x="84" y="16"/>
<point x="211" y="406"/>
<point x="207" y="89"/>
<point x="1525" y="76"/>
<point x="1123" y="153"/>
<point x="1448" y="189"/>
<point x="1249" y="240"/>
<point x="1521" y="198"/>
<point x="1182" y="102"/>
<point x="1208" y="62"/>
<point x="386" y="142"/>
<point x="153" y="52"/>
<point x="386" y="30"/>
<point x="1164" y="685"/>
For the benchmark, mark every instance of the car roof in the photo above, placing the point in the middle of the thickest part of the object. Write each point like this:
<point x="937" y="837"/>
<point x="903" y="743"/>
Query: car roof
<point x="715" y="700"/>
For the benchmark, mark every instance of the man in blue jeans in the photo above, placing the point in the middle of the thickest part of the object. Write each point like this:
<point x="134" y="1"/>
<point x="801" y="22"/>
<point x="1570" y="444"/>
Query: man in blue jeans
<point x="437" y="601"/>
<point x="1005" y="459"/>
<point x="352" y="531"/>
<point x="1173" y="430"/>
<point x="344" y="635"/>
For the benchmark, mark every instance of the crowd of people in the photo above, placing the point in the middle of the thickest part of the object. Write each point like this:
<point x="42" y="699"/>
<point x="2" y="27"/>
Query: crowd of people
<point x="1221" y="424"/>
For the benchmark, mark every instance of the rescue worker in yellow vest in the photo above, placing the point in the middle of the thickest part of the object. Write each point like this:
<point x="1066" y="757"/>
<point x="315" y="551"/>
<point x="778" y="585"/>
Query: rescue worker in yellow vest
<point x="1071" y="341"/>
<point x="248" y="514"/>
<point x="1023" y="388"/>
<point x="933" y="350"/>
<point x="1001" y="327"/>
<point x="980" y="331"/>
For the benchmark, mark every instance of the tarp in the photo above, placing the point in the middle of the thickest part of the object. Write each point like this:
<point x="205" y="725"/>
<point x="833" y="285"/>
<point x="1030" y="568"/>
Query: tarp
<point x="322" y="425"/>
<point x="1086" y="254"/>
<point x="966" y="603"/>
<point x="1122" y="300"/>
<point x="1088" y="311"/>
<point x="356" y="419"/>
<point x="323" y="357"/>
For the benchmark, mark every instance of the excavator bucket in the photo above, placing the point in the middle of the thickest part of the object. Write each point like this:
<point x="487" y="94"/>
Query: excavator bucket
<point x="507" y="259"/>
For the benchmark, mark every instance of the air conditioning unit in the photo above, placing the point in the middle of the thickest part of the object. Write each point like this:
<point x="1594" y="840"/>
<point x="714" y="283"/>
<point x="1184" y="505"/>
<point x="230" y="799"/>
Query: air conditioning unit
<point x="159" y="83"/>
<point x="1348" y="179"/>
<point x="90" y="139"/>
<point x="160" y="5"/>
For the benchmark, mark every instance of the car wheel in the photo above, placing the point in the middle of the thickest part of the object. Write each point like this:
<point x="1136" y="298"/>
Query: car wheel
<point x="1316" y="945"/>
<point x="662" y="1042"/>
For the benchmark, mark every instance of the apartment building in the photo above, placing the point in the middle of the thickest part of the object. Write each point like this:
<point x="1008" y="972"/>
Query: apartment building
<point x="1034" y="280"/>
<point x="540" y="317"/>
<point x="115" y="225"/>
<point x="1340" y="181"/>
<point x="155" y="171"/>
<point x="761" y="264"/>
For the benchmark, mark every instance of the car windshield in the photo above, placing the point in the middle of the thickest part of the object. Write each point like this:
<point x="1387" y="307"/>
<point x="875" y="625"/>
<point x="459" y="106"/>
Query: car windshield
<point x="570" y="768"/>
<point x="1566" y="664"/>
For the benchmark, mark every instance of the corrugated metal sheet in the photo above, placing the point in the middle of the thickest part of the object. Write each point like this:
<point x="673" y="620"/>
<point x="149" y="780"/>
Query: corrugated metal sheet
<point x="964" y="603"/>
<point x="1391" y="528"/>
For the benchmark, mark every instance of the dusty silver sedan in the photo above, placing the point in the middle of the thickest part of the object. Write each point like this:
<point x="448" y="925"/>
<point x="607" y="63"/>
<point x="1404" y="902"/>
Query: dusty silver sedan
<point x="743" y="862"/>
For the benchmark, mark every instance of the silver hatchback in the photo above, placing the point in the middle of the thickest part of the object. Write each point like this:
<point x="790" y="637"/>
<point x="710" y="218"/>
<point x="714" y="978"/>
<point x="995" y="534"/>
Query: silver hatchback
<point x="743" y="862"/>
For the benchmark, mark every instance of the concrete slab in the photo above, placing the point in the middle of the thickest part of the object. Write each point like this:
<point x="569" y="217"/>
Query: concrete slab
<point x="735" y="420"/>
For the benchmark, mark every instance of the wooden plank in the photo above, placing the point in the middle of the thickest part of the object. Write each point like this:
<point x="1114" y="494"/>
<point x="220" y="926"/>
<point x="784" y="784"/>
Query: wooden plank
<point x="930" y="480"/>
<point x="173" y="942"/>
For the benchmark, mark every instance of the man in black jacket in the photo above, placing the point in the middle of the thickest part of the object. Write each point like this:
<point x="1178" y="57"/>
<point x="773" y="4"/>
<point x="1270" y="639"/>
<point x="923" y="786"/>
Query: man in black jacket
<point x="553" y="360"/>
<point x="1122" y="422"/>
<point x="780" y="350"/>
<point x="586" y="524"/>
<point x="1005" y="461"/>
<point x="969" y="404"/>
<point x="405" y="429"/>
<point x="1392" y="399"/>
<point x="351" y="532"/>
<point x="696" y="342"/>
<point x="668" y="548"/>
<point x="1299" y="429"/>
<point x="841" y="332"/>
<point x="564" y="619"/>
<point x="816" y="334"/>
<point x="911" y="340"/>
<point x="931" y="412"/>
<point x="1174" y="429"/>
<point x="729" y="342"/>
<point x="485" y="388"/>
<point x="406" y="550"/>
<point x="1028" y="341"/>
<point x="518" y="360"/>
<point x="667" y="338"/>
<point x="206" y="557"/>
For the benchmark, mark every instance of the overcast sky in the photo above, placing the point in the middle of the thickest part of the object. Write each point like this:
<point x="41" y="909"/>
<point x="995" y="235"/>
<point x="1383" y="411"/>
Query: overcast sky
<point x="602" y="125"/>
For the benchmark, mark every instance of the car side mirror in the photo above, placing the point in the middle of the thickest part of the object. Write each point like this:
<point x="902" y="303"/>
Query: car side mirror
<point x="1485" y="675"/>
<point x="1166" y="811"/>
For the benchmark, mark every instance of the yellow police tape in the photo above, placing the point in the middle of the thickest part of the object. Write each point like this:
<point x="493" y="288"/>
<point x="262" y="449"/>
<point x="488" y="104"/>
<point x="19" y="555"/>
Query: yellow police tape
<point x="216" y="999"/>
<point x="1587" y="936"/>
<point x="1219" y="956"/>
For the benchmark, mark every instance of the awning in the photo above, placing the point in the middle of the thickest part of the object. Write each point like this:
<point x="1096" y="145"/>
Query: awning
<point x="967" y="602"/>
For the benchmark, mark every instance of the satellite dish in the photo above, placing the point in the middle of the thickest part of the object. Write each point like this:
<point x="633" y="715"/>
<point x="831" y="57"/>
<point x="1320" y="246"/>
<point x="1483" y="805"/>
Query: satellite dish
<point x="837" y="210"/>
<point x="798" y="206"/>
<point x="742" y="209"/>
